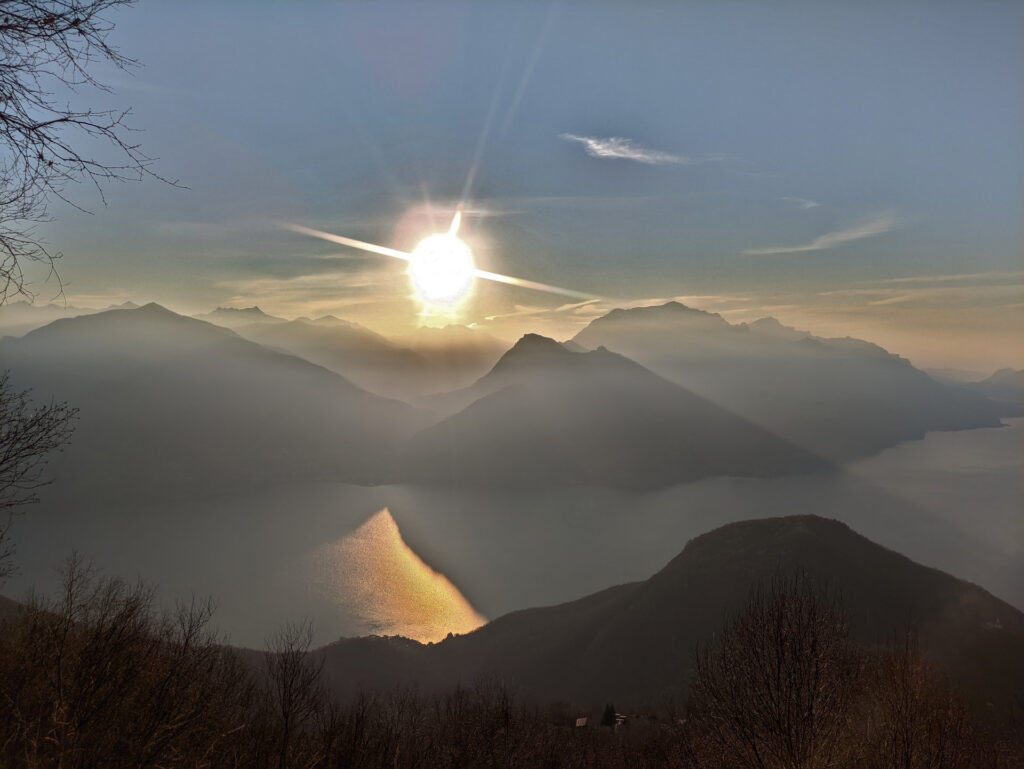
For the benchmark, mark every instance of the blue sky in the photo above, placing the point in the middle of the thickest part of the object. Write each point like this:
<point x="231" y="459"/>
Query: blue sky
<point x="853" y="168"/>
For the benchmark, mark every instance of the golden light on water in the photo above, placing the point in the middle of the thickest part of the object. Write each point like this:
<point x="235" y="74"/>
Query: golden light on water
<point x="373" y="574"/>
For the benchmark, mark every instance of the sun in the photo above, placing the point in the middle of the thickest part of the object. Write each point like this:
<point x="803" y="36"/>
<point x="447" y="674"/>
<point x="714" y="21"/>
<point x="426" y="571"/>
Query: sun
<point x="441" y="268"/>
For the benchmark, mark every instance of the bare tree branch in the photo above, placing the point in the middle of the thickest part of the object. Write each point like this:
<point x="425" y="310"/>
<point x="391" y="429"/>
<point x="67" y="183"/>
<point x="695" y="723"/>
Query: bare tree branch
<point x="775" y="687"/>
<point x="28" y="434"/>
<point x="49" y="48"/>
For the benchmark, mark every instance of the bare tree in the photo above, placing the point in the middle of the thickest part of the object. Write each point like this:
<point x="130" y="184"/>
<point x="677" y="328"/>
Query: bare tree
<point x="28" y="434"/>
<point x="775" y="687"/>
<point x="101" y="677"/>
<point x="910" y="717"/>
<point x="49" y="52"/>
<point x="296" y="695"/>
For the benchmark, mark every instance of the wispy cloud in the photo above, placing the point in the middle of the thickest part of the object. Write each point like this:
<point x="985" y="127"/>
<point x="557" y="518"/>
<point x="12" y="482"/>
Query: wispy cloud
<point x="299" y="291"/>
<point x="957" y="278"/>
<point x="876" y="226"/>
<point x="803" y="203"/>
<point x="619" y="148"/>
<point x="586" y="202"/>
<point x="544" y="312"/>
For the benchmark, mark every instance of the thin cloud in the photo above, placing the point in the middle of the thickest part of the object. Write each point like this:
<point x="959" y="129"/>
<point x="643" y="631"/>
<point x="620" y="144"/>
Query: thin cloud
<point x="967" y="276"/>
<point x="520" y="310"/>
<point x="952" y="296"/>
<point x="308" y="287"/>
<point x="911" y="282"/>
<point x="802" y="203"/>
<point x="619" y="148"/>
<point x="877" y="226"/>
<point x="447" y="209"/>
<point x="541" y="312"/>
<point x="585" y="202"/>
<point x="946" y="295"/>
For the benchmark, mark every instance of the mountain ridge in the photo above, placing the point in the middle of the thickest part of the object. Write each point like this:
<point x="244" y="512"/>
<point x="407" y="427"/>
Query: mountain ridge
<point x="839" y="398"/>
<point x="176" y="405"/>
<point x="542" y="416"/>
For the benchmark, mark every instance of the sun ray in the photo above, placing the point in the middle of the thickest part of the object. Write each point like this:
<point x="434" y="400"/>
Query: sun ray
<point x="532" y="284"/>
<point x="406" y="256"/>
<point x="482" y="141"/>
<point x="350" y="242"/>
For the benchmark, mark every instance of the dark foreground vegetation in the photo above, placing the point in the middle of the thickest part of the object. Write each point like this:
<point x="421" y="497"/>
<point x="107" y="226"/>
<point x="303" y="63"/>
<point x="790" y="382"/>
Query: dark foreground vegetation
<point x="100" y="678"/>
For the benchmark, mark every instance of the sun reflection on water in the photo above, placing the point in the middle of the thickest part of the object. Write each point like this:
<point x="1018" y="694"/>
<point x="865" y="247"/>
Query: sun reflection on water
<point x="374" y="574"/>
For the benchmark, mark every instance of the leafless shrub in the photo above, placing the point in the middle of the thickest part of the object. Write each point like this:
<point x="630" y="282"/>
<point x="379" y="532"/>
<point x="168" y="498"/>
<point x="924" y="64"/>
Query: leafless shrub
<point x="909" y="717"/>
<point x="774" y="689"/>
<point x="100" y="678"/>
<point x="29" y="433"/>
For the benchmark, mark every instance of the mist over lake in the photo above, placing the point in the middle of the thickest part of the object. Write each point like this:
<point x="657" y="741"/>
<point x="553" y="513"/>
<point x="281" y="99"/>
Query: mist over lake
<point x="951" y="501"/>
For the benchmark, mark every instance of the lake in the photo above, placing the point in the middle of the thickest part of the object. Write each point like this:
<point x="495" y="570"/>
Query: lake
<point x="951" y="500"/>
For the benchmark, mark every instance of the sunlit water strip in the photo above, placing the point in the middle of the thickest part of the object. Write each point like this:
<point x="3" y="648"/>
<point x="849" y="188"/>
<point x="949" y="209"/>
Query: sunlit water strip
<point x="373" y="574"/>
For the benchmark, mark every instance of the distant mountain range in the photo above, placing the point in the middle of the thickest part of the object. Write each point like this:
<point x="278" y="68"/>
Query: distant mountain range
<point x="448" y="360"/>
<point x="1005" y="386"/>
<point x="18" y="318"/>
<point x="360" y="355"/>
<point x="182" y="403"/>
<point x="836" y="398"/>
<point x="633" y="644"/>
<point x="233" y="317"/>
<point x="171" y="405"/>
<point x="954" y="376"/>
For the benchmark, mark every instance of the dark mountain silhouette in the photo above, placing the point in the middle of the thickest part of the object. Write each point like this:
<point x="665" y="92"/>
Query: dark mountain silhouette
<point x="633" y="644"/>
<point x="546" y="415"/>
<point x="175" y="405"/>
<point x="840" y="398"/>
<point x="1005" y="386"/>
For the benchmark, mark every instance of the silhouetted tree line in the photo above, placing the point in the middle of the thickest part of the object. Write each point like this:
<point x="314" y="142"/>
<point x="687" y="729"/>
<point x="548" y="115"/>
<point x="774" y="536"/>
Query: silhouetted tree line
<point x="98" y="677"/>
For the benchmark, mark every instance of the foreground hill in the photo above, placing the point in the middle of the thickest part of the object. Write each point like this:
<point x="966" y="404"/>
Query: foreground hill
<point x="174" y="405"/>
<point x="633" y="644"/>
<point x="840" y="398"/>
<point x="546" y="415"/>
